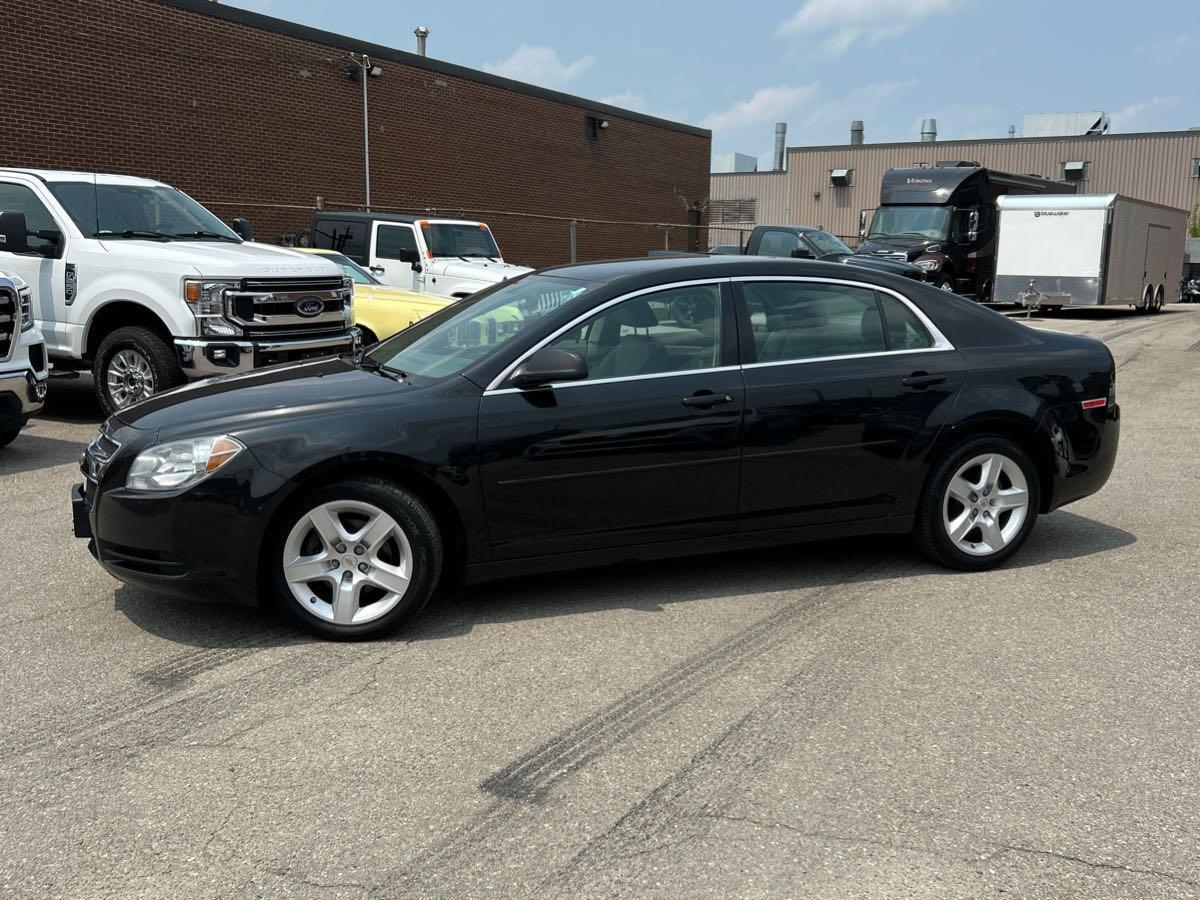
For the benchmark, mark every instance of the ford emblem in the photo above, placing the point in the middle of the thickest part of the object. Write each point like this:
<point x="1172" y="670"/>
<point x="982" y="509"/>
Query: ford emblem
<point x="310" y="307"/>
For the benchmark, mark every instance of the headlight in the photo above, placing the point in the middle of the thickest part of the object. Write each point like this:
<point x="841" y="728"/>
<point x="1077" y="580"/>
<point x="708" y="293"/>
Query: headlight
<point x="207" y="298"/>
<point x="934" y="248"/>
<point x="929" y="265"/>
<point x="181" y="464"/>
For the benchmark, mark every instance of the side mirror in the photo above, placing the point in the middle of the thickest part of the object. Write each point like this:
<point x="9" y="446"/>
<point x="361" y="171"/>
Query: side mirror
<point x="14" y="234"/>
<point x="972" y="226"/>
<point x="412" y="257"/>
<point x="547" y="366"/>
<point x="802" y="253"/>
<point x="243" y="229"/>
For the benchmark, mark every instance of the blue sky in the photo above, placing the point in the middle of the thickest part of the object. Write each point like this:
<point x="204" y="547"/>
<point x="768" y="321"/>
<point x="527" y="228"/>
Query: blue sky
<point x="975" y="65"/>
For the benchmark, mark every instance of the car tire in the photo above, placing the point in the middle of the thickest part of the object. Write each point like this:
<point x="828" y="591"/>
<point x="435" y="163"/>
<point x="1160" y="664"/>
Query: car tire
<point x="945" y="283"/>
<point x="368" y="337"/>
<point x="969" y="517"/>
<point x="7" y="437"/>
<point x="372" y="549"/>
<point x="132" y="364"/>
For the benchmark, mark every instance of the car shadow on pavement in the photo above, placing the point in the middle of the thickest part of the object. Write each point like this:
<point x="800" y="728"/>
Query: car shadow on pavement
<point x="73" y="400"/>
<point x="30" y="452"/>
<point x="642" y="586"/>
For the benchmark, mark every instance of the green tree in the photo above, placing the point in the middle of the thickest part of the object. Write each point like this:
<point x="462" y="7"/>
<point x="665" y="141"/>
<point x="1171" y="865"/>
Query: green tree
<point x="1194" y="222"/>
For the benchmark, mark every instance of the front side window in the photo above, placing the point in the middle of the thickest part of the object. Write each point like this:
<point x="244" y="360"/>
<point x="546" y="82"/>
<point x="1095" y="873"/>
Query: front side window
<point x="675" y="330"/>
<point x="127" y="210"/>
<point x="778" y="243"/>
<point x="391" y="241"/>
<point x="19" y="198"/>
<point x="453" y="338"/>
<point x="466" y="239"/>
<point x="827" y="244"/>
<point x="798" y="320"/>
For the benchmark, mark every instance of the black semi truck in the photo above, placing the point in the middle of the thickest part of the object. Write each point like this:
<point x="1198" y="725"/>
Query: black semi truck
<point x="943" y="219"/>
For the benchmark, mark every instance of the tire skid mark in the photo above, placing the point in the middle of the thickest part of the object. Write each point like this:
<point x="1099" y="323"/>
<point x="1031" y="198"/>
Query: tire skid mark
<point x="483" y="845"/>
<point x="163" y="681"/>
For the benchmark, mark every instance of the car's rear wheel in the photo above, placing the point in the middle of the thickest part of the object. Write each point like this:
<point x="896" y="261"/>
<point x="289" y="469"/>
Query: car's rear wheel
<point x="356" y="559"/>
<point x="979" y="505"/>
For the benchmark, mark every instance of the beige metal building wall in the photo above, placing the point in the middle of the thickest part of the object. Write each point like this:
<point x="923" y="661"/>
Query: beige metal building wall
<point x="1158" y="166"/>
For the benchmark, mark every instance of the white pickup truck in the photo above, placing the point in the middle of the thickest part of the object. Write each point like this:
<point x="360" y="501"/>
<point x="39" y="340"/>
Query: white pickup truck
<point x="140" y="283"/>
<point x="451" y="258"/>
<point x="23" y="367"/>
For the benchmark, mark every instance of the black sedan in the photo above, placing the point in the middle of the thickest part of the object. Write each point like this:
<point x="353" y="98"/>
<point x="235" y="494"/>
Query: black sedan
<point x="596" y="413"/>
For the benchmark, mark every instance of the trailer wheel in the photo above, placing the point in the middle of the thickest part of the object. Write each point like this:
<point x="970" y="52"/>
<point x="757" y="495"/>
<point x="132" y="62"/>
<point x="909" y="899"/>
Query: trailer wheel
<point x="1143" y="308"/>
<point x="1160" y="300"/>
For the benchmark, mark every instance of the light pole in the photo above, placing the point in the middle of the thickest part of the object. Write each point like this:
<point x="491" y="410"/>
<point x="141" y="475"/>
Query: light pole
<point x="366" y="69"/>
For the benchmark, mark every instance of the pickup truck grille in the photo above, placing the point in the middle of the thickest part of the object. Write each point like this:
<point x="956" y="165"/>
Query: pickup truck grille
<point x="273" y="306"/>
<point x="10" y="322"/>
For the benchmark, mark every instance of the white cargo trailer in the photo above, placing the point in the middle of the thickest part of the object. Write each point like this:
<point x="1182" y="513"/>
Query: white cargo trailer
<point x="1058" y="250"/>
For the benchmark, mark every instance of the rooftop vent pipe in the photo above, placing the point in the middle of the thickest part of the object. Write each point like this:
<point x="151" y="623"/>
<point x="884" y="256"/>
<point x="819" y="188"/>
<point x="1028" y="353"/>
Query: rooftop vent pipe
<point x="856" y="132"/>
<point x="422" y="34"/>
<point x="928" y="130"/>
<point x="780" y="140"/>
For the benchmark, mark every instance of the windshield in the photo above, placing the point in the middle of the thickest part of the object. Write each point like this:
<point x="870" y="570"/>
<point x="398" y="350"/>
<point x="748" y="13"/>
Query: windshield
<point x="827" y="244"/>
<point x="452" y="339"/>
<point x="351" y="268"/>
<point x="107" y="210"/>
<point x="464" y="239"/>
<point x="916" y="221"/>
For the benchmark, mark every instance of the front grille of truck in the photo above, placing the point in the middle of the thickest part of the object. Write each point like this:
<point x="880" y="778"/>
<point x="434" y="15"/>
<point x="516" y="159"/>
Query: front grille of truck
<point x="267" y="307"/>
<point x="10" y="322"/>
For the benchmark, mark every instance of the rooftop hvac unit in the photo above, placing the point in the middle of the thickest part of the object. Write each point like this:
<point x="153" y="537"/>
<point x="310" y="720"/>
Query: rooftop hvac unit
<point x="841" y="177"/>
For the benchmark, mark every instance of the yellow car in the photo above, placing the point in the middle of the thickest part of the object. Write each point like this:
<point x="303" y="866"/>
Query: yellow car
<point x="380" y="311"/>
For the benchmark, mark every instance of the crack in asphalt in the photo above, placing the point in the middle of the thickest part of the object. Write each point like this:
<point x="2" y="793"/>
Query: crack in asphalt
<point x="1093" y="864"/>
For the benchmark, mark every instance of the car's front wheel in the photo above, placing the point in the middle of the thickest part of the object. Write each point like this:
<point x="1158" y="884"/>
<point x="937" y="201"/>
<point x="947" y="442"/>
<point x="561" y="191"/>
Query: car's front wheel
<point x="356" y="559"/>
<point x="979" y="505"/>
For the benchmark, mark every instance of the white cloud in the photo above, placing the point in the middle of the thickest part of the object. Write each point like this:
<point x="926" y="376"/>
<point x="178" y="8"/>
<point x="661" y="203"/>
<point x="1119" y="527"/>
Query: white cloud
<point x="636" y="101"/>
<point x="830" y="122"/>
<point x="843" y="23"/>
<point x="765" y="105"/>
<point x="1132" y="116"/>
<point x="540" y="65"/>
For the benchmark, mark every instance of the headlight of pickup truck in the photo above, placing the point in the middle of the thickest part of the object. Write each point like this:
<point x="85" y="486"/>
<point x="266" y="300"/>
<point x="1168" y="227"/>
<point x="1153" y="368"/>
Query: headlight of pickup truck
<point x="207" y="301"/>
<point x="929" y="265"/>
<point x="180" y="464"/>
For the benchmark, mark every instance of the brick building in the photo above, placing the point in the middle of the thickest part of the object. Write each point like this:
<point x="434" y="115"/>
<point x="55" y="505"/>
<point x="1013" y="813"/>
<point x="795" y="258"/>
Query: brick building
<point x="260" y="117"/>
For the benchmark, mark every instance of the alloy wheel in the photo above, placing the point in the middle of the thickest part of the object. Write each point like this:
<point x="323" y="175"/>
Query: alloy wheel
<point x="986" y="504"/>
<point x="347" y="562"/>
<point x="130" y="378"/>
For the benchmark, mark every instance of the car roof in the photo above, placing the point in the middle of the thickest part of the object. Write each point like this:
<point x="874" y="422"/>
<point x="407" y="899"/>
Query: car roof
<point x="653" y="269"/>
<point x="54" y="175"/>
<point x="357" y="215"/>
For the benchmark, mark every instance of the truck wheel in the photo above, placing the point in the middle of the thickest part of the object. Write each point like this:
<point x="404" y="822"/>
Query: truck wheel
<point x="979" y="504"/>
<point x="355" y="559"/>
<point x="945" y="283"/>
<point x="7" y="437"/>
<point x="131" y="365"/>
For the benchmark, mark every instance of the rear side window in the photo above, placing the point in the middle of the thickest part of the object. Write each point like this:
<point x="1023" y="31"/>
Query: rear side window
<point x="799" y="320"/>
<point x="905" y="331"/>
<point x="390" y="240"/>
<point x="18" y="198"/>
<point x="345" y="237"/>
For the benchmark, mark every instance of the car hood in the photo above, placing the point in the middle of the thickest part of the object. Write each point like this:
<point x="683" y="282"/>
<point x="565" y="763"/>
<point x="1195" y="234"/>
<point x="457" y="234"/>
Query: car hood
<point x="911" y="246"/>
<point x="295" y="389"/>
<point x="479" y="270"/>
<point x="396" y="295"/>
<point x="221" y="259"/>
<point x="884" y="264"/>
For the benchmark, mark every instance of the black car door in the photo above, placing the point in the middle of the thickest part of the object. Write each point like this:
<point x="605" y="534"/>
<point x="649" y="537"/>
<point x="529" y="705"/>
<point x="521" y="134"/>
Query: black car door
<point x="646" y="449"/>
<point x="844" y="382"/>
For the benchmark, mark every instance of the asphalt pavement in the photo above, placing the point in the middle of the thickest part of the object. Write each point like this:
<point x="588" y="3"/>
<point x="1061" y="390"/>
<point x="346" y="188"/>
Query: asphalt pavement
<point x="831" y="720"/>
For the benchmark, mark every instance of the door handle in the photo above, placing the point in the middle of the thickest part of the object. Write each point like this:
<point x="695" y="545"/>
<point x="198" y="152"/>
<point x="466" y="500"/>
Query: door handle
<point x="705" y="401"/>
<point x="922" y="380"/>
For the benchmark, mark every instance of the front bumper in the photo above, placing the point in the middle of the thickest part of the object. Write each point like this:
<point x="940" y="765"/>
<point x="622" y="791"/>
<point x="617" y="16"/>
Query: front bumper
<point x="204" y="358"/>
<point x="22" y="394"/>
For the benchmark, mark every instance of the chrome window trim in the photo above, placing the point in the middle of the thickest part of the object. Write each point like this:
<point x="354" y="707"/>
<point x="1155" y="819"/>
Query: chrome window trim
<point x="494" y="386"/>
<point x="940" y="341"/>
